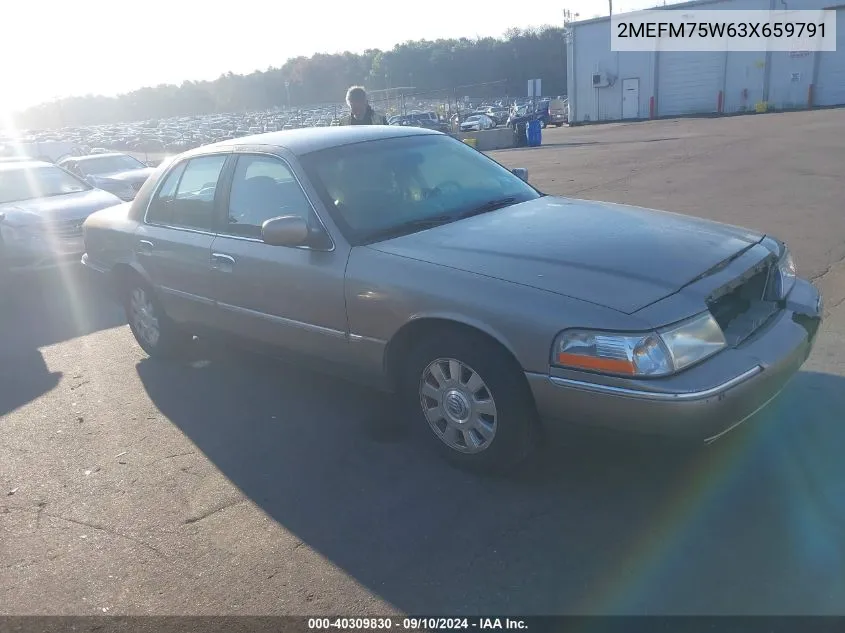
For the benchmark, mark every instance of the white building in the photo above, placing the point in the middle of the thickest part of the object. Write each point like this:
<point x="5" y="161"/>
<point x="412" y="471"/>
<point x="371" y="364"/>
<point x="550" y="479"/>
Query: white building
<point x="641" y="85"/>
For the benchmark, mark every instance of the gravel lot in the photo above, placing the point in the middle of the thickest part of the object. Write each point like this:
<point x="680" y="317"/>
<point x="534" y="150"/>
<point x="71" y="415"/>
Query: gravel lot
<point x="241" y="485"/>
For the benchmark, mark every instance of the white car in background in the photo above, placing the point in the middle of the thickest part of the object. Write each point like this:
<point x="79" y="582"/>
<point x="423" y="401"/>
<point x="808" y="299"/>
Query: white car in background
<point x="116" y="173"/>
<point x="477" y="122"/>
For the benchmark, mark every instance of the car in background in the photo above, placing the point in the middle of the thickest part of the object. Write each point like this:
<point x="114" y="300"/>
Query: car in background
<point x="491" y="307"/>
<point x="47" y="151"/>
<point x="477" y="122"/>
<point x="116" y="173"/>
<point x="423" y="120"/>
<point x="498" y="114"/>
<point x="42" y="208"/>
<point x="557" y="112"/>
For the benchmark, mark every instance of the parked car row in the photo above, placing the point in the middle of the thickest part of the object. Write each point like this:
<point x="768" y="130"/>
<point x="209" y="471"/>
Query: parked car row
<point x="177" y="134"/>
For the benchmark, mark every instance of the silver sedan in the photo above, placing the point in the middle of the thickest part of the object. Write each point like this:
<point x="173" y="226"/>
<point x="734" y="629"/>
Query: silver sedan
<point x="404" y="257"/>
<point x="42" y="208"/>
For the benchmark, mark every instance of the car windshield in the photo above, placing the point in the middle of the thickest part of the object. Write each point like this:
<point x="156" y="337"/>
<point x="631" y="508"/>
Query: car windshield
<point x="109" y="164"/>
<point x="381" y="189"/>
<point x="37" y="182"/>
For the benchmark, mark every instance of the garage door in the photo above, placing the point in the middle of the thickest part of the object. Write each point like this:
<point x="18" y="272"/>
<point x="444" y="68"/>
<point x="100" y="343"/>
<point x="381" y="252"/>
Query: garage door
<point x="689" y="83"/>
<point x="830" y="80"/>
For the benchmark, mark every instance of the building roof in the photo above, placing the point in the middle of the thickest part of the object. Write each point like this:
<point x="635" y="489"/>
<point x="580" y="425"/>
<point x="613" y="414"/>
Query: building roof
<point x="678" y="5"/>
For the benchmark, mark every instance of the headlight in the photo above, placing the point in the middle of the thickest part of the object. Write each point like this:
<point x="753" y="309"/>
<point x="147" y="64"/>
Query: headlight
<point x="783" y="275"/>
<point x="11" y="234"/>
<point x="644" y="355"/>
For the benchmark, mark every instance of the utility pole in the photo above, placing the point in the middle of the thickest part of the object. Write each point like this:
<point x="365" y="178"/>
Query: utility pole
<point x="287" y="90"/>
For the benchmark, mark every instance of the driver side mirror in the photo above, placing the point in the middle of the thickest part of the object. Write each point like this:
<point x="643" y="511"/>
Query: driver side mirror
<point x="285" y="230"/>
<point x="521" y="173"/>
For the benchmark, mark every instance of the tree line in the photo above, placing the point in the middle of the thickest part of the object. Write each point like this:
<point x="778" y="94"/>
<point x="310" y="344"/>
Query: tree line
<point x="439" y="69"/>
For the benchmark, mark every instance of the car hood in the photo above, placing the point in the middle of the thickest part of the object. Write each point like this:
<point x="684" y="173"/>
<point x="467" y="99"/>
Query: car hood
<point x="71" y="206"/>
<point x="130" y="176"/>
<point x="617" y="256"/>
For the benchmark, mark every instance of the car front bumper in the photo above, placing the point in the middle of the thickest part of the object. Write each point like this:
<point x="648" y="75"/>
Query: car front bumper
<point x="38" y="255"/>
<point x="702" y="403"/>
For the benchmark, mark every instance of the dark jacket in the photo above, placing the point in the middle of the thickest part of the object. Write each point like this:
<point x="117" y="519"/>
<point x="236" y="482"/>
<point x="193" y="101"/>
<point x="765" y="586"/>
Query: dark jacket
<point x="370" y="118"/>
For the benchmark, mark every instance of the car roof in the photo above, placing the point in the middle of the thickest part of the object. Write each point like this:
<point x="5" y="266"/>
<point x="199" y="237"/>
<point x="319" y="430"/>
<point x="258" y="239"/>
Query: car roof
<point x="307" y="140"/>
<point x="91" y="156"/>
<point x="24" y="164"/>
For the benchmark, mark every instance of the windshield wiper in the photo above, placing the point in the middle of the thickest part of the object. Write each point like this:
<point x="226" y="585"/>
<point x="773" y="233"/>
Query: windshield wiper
<point x="409" y="227"/>
<point x="492" y="205"/>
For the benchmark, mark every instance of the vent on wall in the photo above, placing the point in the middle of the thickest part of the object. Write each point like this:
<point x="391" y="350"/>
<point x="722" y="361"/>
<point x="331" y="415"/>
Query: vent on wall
<point x="601" y="80"/>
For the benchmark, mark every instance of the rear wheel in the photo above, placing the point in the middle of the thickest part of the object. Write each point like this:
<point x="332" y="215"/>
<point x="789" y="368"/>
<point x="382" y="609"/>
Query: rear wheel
<point x="471" y="400"/>
<point x="157" y="335"/>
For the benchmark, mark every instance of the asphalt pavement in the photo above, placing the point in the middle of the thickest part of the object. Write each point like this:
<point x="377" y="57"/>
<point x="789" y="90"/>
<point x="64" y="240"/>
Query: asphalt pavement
<point x="233" y="484"/>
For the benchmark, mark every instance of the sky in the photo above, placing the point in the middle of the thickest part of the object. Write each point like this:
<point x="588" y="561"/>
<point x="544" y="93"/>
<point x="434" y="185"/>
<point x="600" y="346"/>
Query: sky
<point x="110" y="47"/>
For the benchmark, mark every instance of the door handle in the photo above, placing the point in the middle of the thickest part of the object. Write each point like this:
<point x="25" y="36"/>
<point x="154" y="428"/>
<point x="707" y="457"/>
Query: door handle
<point x="222" y="262"/>
<point x="220" y="257"/>
<point x="146" y="245"/>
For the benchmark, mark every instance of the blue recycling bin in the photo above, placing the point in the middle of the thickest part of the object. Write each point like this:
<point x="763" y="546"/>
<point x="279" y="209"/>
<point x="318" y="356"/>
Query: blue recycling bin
<point x="534" y="132"/>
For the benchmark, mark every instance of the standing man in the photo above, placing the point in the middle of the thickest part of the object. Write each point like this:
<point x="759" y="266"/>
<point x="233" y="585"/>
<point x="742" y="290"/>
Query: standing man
<point x="361" y="111"/>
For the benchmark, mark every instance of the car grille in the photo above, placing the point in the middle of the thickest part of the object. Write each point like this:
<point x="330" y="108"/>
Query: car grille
<point x="66" y="229"/>
<point x="137" y="185"/>
<point x="741" y="309"/>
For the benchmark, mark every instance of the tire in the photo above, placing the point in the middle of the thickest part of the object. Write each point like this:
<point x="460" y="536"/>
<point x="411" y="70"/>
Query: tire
<point x="157" y="335"/>
<point x="494" y="428"/>
<point x="558" y="124"/>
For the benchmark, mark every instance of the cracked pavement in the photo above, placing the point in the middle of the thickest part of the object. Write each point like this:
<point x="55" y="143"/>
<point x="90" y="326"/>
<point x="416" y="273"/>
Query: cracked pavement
<point x="243" y="485"/>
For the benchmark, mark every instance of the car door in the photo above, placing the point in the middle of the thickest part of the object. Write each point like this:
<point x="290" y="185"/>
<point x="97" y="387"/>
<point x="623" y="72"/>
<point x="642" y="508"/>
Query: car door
<point x="173" y="245"/>
<point x="291" y="297"/>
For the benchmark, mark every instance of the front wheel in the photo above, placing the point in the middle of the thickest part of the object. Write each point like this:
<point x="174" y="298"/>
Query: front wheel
<point x="157" y="335"/>
<point x="472" y="401"/>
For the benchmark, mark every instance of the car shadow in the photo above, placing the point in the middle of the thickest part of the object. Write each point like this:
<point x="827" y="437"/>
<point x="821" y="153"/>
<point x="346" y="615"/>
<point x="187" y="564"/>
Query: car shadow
<point x="753" y="524"/>
<point x="23" y="378"/>
<point x="54" y="306"/>
<point x="38" y="310"/>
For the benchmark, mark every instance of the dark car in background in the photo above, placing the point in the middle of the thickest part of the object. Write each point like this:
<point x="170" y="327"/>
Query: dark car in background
<point x="116" y="173"/>
<point x="42" y="208"/>
<point x="558" y="112"/>
<point x="427" y="120"/>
